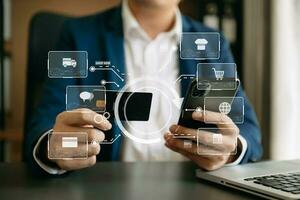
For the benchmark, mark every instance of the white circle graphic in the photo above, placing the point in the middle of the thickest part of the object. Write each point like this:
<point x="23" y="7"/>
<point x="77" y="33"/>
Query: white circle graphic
<point x="126" y="133"/>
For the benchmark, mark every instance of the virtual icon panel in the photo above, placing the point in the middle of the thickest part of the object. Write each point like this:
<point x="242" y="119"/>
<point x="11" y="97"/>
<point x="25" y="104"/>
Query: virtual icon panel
<point x="67" y="64"/>
<point x="220" y="76"/>
<point x="91" y="97"/>
<point x="198" y="45"/>
<point x="67" y="145"/>
<point x="215" y="140"/>
<point x="233" y="107"/>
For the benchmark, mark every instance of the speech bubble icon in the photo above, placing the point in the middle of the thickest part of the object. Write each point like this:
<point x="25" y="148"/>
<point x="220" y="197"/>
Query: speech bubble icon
<point x="86" y="96"/>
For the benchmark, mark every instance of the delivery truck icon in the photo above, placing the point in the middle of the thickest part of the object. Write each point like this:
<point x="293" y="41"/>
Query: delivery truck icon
<point x="69" y="62"/>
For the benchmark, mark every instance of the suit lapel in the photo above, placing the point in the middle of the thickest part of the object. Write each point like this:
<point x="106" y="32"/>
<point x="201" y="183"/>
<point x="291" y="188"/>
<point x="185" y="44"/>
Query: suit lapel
<point x="114" y="52"/>
<point x="115" y="49"/>
<point x="186" y="67"/>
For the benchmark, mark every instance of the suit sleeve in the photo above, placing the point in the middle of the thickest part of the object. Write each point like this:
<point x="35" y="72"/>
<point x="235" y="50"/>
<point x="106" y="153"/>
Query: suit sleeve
<point x="51" y="103"/>
<point x="250" y="129"/>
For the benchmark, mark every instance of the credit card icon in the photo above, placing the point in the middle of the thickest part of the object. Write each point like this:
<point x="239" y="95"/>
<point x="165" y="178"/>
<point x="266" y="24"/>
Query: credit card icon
<point x="69" y="142"/>
<point x="67" y="145"/>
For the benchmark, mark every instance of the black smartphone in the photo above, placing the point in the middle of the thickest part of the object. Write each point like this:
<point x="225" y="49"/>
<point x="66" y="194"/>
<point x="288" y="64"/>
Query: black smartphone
<point x="194" y="98"/>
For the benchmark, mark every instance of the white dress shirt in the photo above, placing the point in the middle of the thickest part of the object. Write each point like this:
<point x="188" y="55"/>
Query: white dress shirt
<point x="155" y="59"/>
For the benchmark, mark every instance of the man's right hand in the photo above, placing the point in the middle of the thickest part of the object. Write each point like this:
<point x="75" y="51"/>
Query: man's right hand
<point x="82" y="120"/>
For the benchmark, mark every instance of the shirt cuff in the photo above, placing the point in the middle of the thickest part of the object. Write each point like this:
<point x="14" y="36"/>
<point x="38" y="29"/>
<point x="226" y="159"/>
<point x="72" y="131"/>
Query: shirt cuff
<point x="244" y="147"/>
<point x="48" y="169"/>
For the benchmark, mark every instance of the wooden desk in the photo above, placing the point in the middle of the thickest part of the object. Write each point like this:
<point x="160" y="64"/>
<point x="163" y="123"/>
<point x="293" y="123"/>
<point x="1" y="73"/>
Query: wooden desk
<point x="115" y="180"/>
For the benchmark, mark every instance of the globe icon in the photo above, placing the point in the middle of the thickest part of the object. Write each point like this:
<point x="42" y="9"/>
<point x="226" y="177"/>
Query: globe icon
<point x="225" y="108"/>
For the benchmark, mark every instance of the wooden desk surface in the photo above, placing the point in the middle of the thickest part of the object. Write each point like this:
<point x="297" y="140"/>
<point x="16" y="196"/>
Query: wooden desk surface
<point x="115" y="180"/>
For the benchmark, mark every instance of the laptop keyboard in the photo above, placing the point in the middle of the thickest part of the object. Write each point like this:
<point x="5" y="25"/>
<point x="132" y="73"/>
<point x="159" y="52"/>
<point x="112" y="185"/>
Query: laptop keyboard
<point x="289" y="182"/>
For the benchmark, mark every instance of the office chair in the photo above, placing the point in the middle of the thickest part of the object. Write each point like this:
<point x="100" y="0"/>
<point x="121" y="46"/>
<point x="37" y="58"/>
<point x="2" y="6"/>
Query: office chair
<point x="1" y="77"/>
<point x="44" y="30"/>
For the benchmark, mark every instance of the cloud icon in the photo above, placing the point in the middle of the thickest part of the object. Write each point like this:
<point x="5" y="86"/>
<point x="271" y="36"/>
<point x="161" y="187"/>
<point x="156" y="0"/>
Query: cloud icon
<point x="86" y="96"/>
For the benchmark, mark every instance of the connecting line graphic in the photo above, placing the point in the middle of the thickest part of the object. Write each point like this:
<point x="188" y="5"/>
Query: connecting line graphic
<point x="104" y="82"/>
<point x="184" y="76"/>
<point x="113" y="69"/>
<point x="111" y="82"/>
<point x="189" y="110"/>
<point x="111" y="140"/>
<point x="183" y="136"/>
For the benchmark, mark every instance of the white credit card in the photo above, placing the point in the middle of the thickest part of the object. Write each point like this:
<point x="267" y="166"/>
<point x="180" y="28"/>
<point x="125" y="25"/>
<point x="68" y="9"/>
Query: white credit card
<point x="69" y="142"/>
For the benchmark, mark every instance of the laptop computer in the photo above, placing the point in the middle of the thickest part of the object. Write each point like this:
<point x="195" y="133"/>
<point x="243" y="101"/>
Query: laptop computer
<point x="269" y="179"/>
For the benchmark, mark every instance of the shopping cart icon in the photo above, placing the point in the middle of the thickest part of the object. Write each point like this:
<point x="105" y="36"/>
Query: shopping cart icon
<point x="219" y="74"/>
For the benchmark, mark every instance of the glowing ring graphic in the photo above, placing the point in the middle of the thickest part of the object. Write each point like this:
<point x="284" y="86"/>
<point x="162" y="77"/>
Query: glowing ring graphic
<point x="170" y="108"/>
<point x="117" y="117"/>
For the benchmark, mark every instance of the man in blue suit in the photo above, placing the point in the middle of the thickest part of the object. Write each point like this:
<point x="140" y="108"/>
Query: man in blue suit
<point x="135" y="37"/>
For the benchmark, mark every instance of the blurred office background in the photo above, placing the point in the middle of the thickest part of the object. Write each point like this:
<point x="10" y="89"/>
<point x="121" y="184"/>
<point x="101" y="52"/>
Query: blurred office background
<point x="264" y="36"/>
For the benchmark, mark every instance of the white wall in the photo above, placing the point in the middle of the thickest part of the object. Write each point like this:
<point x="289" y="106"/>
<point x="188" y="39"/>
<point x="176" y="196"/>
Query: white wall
<point x="285" y="124"/>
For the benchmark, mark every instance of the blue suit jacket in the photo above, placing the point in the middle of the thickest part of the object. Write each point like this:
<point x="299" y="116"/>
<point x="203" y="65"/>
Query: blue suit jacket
<point x="101" y="35"/>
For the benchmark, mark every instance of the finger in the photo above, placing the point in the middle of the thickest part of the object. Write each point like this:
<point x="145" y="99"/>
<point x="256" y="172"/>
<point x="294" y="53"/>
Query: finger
<point x="216" y="141"/>
<point x="95" y="135"/>
<point x="220" y="150"/>
<point x="183" y="152"/>
<point x="219" y="142"/>
<point x="203" y="136"/>
<point x="221" y="120"/>
<point x="92" y="133"/>
<point x="206" y="143"/>
<point x="208" y="163"/>
<point x="180" y="131"/>
<point x="203" y="162"/>
<point x="93" y="149"/>
<point x="179" y="144"/>
<point x="76" y="163"/>
<point x="84" y="117"/>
